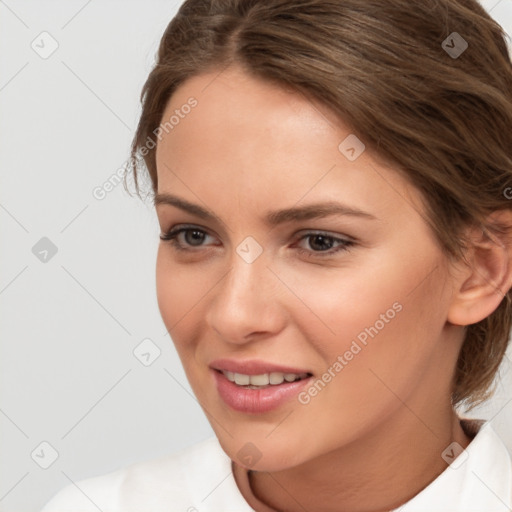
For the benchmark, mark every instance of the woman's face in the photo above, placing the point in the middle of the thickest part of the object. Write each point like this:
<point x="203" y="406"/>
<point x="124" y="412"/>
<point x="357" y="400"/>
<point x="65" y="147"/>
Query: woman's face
<point x="354" y="300"/>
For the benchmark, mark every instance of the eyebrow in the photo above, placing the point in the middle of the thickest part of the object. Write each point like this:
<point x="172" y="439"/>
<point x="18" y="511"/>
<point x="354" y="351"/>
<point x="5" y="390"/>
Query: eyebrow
<point x="271" y="218"/>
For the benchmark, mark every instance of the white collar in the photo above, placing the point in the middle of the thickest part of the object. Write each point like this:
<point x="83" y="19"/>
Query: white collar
<point x="478" y="480"/>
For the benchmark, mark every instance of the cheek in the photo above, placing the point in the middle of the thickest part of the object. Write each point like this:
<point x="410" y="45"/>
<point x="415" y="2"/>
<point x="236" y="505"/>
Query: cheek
<point x="179" y="290"/>
<point x="378" y="314"/>
<point x="168" y="286"/>
<point x="335" y="305"/>
<point x="376" y="334"/>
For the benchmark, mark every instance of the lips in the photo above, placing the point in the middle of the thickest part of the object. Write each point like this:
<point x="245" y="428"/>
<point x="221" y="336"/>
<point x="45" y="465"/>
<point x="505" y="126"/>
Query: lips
<point x="254" y="367"/>
<point x="256" y="399"/>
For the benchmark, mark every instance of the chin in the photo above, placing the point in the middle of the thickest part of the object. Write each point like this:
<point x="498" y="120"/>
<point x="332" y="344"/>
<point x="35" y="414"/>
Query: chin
<point x="262" y="454"/>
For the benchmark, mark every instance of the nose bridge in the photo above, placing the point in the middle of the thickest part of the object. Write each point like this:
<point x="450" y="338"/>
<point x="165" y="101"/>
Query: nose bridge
<point x="249" y="281"/>
<point x="245" y="299"/>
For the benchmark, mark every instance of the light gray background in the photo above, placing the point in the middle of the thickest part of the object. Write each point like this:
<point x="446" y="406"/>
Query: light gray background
<point x="70" y="325"/>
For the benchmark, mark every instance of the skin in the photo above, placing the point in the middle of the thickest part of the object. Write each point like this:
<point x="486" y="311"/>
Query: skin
<point x="373" y="437"/>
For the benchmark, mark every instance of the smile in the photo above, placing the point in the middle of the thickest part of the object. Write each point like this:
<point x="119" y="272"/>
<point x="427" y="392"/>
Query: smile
<point x="264" y="380"/>
<point x="257" y="394"/>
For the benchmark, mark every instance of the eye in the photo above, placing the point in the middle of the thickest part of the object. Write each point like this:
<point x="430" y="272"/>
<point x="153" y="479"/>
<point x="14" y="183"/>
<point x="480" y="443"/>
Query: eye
<point x="323" y="245"/>
<point x="193" y="237"/>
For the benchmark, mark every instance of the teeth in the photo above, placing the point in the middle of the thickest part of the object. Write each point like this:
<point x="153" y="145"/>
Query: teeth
<point x="276" y="378"/>
<point x="241" y="380"/>
<point x="273" y="378"/>
<point x="259" y="380"/>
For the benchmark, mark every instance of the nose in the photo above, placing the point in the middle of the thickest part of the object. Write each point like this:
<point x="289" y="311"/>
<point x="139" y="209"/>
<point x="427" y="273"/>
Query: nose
<point x="247" y="303"/>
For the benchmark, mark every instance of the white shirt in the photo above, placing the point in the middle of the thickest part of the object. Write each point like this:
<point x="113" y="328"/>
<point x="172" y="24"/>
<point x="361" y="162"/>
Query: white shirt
<point x="200" y="479"/>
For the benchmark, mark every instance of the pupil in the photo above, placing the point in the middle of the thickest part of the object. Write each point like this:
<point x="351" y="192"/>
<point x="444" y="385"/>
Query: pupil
<point x="198" y="237"/>
<point x="323" y="245"/>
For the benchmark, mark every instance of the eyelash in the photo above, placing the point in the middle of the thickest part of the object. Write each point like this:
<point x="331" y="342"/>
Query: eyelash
<point x="172" y="235"/>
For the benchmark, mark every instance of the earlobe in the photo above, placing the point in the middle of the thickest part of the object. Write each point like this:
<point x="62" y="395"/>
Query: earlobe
<point x="486" y="276"/>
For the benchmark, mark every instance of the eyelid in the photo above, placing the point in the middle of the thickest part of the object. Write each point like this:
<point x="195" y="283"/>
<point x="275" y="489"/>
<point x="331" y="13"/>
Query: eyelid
<point x="324" y="232"/>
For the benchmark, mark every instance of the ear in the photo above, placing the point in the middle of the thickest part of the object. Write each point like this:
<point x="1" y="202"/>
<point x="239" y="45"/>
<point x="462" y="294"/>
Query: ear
<point x="482" y="282"/>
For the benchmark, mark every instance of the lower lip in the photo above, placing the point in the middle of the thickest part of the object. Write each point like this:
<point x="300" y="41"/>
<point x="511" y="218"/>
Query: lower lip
<point x="256" y="400"/>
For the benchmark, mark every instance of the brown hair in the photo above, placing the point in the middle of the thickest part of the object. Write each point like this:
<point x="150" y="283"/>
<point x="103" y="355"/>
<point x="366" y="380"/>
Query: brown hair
<point x="444" y="121"/>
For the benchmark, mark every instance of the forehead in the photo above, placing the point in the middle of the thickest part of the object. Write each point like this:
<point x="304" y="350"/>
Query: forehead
<point x="249" y="138"/>
<point x="231" y="103"/>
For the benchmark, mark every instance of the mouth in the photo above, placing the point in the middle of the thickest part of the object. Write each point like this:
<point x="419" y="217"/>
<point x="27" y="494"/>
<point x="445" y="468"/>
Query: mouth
<point x="263" y="380"/>
<point x="258" y="393"/>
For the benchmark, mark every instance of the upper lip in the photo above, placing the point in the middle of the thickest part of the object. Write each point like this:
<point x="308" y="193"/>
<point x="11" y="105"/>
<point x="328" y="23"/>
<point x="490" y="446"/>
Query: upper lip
<point x="253" y="367"/>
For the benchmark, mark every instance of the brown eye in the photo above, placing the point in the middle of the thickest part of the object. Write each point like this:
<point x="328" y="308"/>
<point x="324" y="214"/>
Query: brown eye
<point x="322" y="244"/>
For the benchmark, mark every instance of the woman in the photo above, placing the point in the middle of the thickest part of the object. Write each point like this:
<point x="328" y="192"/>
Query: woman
<point x="332" y="181"/>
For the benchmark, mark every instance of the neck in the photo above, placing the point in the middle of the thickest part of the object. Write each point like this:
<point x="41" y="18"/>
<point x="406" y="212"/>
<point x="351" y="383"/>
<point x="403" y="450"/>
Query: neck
<point x="374" y="474"/>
